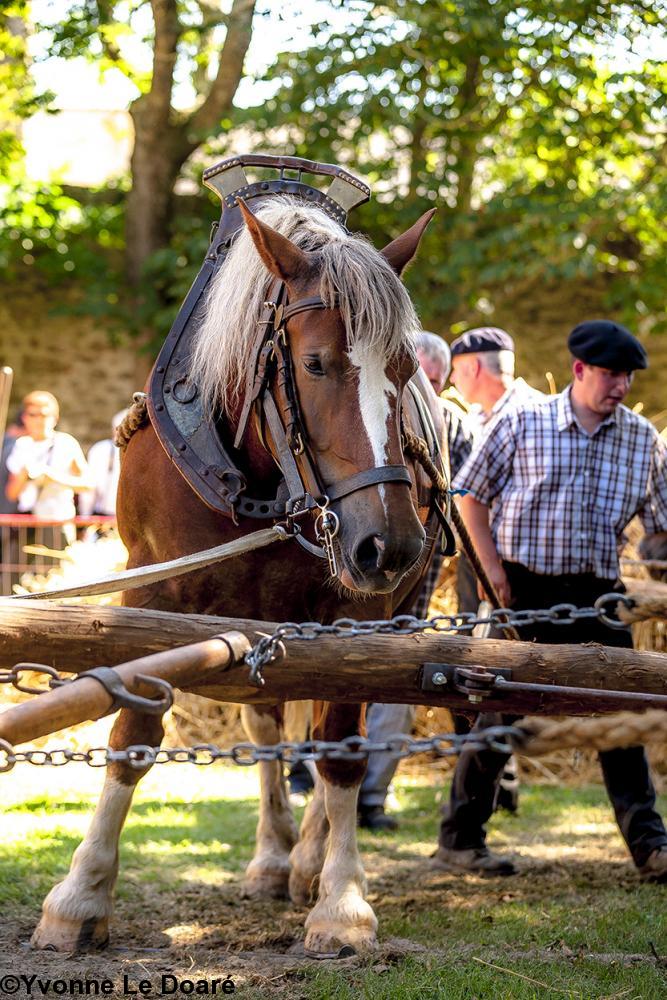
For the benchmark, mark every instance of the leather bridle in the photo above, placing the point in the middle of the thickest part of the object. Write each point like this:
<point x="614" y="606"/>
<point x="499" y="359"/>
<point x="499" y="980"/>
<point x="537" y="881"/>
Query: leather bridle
<point x="281" y="413"/>
<point x="196" y="439"/>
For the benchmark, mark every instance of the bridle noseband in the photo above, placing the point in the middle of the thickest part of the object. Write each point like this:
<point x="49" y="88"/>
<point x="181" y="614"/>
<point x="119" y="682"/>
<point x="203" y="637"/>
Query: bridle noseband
<point x="284" y="419"/>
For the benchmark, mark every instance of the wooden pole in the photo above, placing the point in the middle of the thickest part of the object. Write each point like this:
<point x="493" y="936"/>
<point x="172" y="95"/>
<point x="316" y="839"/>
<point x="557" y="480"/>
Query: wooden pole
<point x="369" y="668"/>
<point x="87" y="699"/>
<point x="6" y="379"/>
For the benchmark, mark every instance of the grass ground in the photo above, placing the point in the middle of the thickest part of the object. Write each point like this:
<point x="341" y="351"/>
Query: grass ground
<point x="576" y="923"/>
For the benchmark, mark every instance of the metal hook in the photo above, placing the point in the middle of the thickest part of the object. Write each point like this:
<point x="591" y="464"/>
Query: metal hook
<point x="8" y="750"/>
<point x="112" y="683"/>
<point x="160" y="705"/>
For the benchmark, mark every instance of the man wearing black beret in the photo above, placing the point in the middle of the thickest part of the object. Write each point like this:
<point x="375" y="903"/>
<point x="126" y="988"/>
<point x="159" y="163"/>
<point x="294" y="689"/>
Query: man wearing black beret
<point x="604" y="344"/>
<point x="551" y="490"/>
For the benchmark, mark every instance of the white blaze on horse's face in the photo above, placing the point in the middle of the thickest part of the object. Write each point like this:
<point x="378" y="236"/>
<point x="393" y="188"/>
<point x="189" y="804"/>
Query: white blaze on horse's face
<point x="375" y="405"/>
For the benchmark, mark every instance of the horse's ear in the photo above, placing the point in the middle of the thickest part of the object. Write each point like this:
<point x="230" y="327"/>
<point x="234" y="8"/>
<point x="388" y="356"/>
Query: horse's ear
<point x="400" y="251"/>
<point x="282" y="257"/>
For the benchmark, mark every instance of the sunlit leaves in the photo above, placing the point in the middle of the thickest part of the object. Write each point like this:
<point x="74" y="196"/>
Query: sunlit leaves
<point x="533" y="127"/>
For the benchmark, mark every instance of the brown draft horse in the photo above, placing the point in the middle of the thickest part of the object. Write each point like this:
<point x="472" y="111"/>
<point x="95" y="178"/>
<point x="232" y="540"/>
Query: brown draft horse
<point x="351" y="364"/>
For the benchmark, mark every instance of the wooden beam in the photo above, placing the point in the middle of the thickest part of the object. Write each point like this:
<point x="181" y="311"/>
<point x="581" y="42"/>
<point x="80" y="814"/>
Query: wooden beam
<point x="372" y="668"/>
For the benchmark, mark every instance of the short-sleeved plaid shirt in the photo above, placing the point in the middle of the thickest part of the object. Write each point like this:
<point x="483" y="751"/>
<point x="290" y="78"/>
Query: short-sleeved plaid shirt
<point x="480" y="422"/>
<point x="560" y="498"/>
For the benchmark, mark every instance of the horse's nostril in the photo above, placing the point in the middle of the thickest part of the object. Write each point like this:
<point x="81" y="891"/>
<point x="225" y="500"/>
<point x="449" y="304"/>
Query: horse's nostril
<point x="370" y="550"/>
<point x="375" y="553"/>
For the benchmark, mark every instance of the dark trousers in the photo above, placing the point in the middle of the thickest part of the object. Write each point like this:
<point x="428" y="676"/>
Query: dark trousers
<point x="626" y="772"/>
<point x="482" y="778"/>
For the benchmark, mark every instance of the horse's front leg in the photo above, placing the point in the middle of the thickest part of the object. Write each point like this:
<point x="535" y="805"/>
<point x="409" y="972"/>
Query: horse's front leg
<point x="267" y="875"/>
<point x="307" y="856"/>
<point x="75" y="914"/>
<point x="341" y="916"/>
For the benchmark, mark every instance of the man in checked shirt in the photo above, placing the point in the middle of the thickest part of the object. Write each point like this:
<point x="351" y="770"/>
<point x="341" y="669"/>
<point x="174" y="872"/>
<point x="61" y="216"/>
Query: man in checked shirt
<point x="551" y="490"/>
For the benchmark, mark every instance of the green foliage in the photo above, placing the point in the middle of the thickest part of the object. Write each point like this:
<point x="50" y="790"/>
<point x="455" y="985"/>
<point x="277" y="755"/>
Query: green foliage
<point x="41" y="223"/>
<point x="18" y="99"/>
<point x="537" y="130"/>
<point x="120" y="34"/>
<point x="169" y="273"/>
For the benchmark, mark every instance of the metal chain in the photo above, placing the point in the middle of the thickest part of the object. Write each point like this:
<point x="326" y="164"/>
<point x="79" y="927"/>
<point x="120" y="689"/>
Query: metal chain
<point x="352" y="748"/>
<point x="13" y="677"/>
<point x="268" y="648"/>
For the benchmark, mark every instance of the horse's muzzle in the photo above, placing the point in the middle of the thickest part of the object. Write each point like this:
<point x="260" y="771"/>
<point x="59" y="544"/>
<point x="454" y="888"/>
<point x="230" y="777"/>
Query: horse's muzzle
<point x="378" y="563"/>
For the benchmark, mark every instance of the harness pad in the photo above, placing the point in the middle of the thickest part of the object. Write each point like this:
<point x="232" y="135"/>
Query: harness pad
<point x="187" y="434"/>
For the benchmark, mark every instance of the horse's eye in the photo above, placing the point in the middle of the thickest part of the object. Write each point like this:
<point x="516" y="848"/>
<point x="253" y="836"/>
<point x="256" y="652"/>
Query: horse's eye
<point x="314" y="366"/>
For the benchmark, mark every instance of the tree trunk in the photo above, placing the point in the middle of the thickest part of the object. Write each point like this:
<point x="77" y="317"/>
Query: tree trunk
<point x="150" y="201"/>
<point x="69" y="706"/>
<point x="163" y="139"/>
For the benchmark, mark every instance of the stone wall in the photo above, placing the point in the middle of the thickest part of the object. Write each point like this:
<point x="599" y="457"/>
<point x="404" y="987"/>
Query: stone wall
<point x="540" y="316"/>
<point x="70" y="356"/>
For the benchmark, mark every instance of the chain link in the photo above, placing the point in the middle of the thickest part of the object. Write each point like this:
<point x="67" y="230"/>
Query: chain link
<point x="268" y="648"/>
<point x="13" y="677"/>
<point x="353" y="748"/>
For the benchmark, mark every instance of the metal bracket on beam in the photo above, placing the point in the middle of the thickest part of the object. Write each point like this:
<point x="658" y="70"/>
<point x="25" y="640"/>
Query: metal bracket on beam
<point x="476" y="683"/>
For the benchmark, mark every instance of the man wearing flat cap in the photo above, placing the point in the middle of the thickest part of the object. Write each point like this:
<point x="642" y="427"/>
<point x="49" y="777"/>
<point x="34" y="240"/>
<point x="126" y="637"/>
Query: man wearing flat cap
<point x="483" y="373"/>
<point x="551" y="490"/>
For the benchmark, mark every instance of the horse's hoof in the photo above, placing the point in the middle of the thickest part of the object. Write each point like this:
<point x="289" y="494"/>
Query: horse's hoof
<point x="341" y="942"/>
<point x="265" y="885"/>
<point x="59" y="934"/>
<point x="345" y="951"/>
<point x="302" y="889"/>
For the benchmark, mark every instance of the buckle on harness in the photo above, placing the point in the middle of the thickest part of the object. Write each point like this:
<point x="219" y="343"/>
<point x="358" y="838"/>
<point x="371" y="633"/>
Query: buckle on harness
<point x="327" y="526"/>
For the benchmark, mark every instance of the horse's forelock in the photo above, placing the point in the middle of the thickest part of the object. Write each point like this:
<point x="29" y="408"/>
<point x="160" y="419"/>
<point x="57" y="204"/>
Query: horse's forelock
<point x="375" y="306"/>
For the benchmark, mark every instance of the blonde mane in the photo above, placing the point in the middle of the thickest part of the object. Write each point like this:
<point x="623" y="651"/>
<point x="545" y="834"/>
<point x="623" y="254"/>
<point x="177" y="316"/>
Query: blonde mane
<point x="374" y="305"/>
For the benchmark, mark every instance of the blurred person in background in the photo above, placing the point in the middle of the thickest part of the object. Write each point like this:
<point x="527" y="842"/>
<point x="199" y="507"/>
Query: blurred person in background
<point x="104" y="466"/>
<point x="483" y="366"/>
<point x="483" y="374"/>
<point x="483" y="362"/>
<point x="46" y="468"/>
<point x="9" y="539"/>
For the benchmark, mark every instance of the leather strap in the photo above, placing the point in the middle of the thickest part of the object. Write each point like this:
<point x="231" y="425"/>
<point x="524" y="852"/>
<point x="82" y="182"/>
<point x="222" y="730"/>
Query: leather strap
<point x="448" y="546"/>
<point x="369" y="477"/>
<point x="284" y="458"/>
<point x="302" y="305"/>
<point x="255" y="380"/>
<point x="275" y="316"/>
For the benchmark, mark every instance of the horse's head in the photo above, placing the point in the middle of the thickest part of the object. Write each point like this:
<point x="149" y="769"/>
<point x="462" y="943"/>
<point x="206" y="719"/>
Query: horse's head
<point x="351" y="362"/>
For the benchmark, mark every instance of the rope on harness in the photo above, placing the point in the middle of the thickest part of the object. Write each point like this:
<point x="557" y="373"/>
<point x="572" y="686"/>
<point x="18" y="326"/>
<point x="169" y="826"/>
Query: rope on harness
<point x="144" y="576"/>
<point x="623" y="729"/>
<point x="132" y="421"/>
<point x="418" y="449"/>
